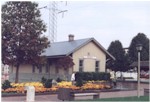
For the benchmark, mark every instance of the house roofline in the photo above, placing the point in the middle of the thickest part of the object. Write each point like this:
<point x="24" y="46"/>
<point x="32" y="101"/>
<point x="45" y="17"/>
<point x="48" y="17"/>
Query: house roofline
<point x="103" y="49"/>
<point x="57" y="56"/>
<point x="97" y="43"/>
<point x="79" y="47"/>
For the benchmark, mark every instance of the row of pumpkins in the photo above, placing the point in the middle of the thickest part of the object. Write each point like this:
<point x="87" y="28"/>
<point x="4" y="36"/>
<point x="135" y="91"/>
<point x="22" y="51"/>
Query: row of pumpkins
<point x="20" y="87"/>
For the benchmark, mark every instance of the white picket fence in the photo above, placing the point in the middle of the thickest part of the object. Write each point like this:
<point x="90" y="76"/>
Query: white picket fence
<point x="127" y="75"/>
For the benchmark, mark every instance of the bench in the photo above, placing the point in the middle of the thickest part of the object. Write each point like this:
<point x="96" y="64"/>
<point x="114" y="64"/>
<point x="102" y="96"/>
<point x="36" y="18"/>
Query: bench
<point x="73" y="95"/>
<point x="146" y="92"/>
<point x="68" y="94"/>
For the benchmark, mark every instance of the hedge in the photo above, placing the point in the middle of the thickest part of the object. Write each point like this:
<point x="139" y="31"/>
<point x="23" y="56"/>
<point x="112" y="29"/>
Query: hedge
<point x="87" y="76"/>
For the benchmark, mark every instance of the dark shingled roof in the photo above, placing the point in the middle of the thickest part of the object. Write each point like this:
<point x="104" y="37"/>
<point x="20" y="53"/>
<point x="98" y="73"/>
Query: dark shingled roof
<point x="142" y="64"/>
<point x="65" y="48"/>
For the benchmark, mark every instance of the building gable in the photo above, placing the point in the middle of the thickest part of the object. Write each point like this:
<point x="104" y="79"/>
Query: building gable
<point x="89" y="53"/>
<point x="68" y="47"/>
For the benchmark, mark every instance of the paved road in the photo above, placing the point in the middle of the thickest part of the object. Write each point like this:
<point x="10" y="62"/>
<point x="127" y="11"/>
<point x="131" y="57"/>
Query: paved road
<point x="42" y="98"/>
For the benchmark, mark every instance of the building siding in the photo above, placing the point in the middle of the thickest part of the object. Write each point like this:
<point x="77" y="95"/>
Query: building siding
<point x="91" y="50"/>
<point x="25" y="73"/>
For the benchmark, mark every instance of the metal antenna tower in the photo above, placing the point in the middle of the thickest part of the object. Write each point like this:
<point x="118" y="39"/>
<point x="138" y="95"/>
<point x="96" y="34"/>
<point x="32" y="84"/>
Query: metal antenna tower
<point x="53" y="11"/>
<point x="53" y="21"/>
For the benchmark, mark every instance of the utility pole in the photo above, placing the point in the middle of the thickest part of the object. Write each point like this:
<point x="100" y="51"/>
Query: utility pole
<point x="139" y="49"/>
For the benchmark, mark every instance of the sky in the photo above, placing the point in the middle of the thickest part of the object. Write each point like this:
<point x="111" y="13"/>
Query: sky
<point x="106" y="21"/>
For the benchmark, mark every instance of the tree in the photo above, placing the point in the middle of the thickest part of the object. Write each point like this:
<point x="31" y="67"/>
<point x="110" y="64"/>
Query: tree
<point x="65" y="62"/>
<point x="117" y="51"/>
<point x="140" y="38"/>
<point x="22" y="34"/>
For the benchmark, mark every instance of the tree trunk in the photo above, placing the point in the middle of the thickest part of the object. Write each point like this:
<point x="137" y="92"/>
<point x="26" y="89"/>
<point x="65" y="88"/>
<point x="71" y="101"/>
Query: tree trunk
<point x="17" y="73"/>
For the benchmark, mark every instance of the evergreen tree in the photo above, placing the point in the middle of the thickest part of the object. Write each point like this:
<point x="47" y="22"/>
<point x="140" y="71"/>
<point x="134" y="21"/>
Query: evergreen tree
<point x="22" y="34"/>
<point x="140" y="38"/>
<point x="118" y="52"/>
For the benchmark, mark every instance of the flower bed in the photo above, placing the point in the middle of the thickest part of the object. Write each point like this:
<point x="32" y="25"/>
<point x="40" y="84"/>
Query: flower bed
<point x="39" y="87"/>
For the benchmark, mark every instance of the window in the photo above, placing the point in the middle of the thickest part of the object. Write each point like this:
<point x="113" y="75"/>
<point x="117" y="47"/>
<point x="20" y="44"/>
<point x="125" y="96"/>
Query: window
<point x="33" y="68"/>
<point x="46" y="68"/>
<point x="96" y="66"/>
<point x="80" y="65"/>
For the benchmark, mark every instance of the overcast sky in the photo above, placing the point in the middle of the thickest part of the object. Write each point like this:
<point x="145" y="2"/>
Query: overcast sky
<point x="106" y="21"/>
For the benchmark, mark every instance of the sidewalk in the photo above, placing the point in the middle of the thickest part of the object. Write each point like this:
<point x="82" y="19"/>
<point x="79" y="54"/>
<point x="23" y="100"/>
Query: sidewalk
<point x="38" y="98"/>
<point x="42" y="98"/>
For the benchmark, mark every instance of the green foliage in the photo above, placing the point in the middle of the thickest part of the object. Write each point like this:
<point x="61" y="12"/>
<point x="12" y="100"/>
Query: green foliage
<point x="79" y="82"/>
<point x="46" y="82"/>
<point x="6" y="84"/>
<point x="78" y="75"/>
<point x="59" y="79"/>
<point x="22" y="31"/>
<point x="96" y="76"/>
<point x="81" y="77"/>
<point x="43" y="80"/>
<point x="65" y="62"/>
<point x="121" y="62"/>
<point x="89" y="76"/>
<point x="140" y="38"/>
<point x="86" y="76"/>
<point x="106" y="76"/>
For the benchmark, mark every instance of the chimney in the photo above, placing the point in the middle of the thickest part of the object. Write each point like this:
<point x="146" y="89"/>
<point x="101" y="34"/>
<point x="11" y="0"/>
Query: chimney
<point x="71" y="37"/>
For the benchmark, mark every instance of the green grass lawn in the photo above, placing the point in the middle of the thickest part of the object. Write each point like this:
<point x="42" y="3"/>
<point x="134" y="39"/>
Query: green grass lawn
<point x="142" y="98"/>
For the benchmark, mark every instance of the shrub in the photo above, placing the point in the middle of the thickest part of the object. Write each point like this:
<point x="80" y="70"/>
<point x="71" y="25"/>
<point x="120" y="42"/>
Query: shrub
<point x="106" y="76"/>
<point x="6" y="84"/>
<point x="46" y="82"/>
<point x="59" y="80"/>
<point x="87" y="76"/>
<point x="96" y="76"/>
<point x="43" y="80"/>
<point x="77" y="75"/>
<point x="79" y="82"/>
